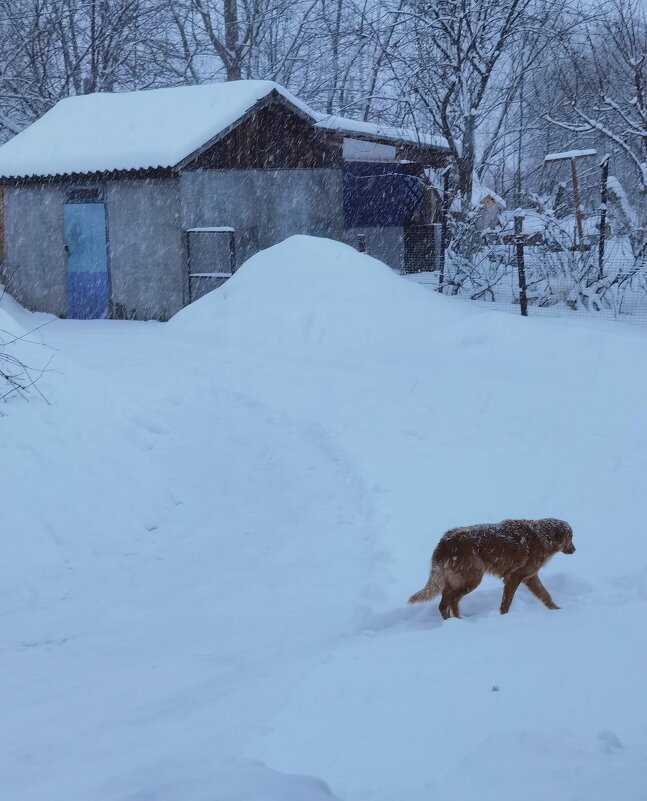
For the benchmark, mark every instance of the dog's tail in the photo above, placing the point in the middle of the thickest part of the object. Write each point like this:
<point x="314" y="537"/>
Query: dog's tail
<point x="431" y="589"/>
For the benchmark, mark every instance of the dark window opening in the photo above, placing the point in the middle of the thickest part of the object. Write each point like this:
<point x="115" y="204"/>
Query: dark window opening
<point x="84" y="194"/>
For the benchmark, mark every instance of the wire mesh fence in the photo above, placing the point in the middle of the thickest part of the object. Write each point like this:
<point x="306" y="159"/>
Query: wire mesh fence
<point x="558" y="285"/>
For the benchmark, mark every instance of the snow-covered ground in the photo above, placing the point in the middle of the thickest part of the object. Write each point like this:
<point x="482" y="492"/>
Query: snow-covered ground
<point x="210" y="532"/>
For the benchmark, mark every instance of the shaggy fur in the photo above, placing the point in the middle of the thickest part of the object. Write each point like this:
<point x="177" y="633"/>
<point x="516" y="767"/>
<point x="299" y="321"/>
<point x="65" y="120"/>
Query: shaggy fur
<point x="514" y="550"/>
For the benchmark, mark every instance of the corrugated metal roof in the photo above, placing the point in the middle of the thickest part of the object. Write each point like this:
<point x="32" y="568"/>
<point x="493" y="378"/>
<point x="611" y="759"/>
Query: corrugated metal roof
<point x="152" y="129"/>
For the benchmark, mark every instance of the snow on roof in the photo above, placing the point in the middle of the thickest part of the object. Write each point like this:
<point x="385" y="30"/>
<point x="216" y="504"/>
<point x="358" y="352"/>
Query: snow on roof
<point x="480" y="193"/>
<point x="147" y="129"/>
<point x="211" y="229"/>
<point x="570" y="154"/>
<point x="130" y="130"/>
<point x="358" y="127"/>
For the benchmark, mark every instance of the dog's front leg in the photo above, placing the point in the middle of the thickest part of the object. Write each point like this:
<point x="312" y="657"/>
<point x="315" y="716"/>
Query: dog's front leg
<point x="537" y="588"/>
<point x="510" y="584"/>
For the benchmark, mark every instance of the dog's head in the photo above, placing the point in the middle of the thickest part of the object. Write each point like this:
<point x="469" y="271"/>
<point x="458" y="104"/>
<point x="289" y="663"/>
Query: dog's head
<point x="566" y="537"/>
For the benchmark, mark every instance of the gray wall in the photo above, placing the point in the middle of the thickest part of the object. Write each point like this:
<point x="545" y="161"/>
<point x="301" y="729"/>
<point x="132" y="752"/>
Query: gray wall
<point x="35" y="264"/>
<point x="266" y="206"/>
<point x="147" y="263"/>
<point x="386" y="244"/>
<point x="145" y="219"/>
<point x="145" y="245"/>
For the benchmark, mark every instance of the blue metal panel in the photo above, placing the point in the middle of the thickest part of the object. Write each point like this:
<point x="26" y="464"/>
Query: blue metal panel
<point x="378" y="194"/>
<point x="88" y="285"/>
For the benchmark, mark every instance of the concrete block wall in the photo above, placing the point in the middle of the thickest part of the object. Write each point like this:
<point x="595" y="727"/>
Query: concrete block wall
<point x="385" y="244"/>
<point x="35" y="264"/>
<point x="146" y="248"/>
<point x="266" y="206"/>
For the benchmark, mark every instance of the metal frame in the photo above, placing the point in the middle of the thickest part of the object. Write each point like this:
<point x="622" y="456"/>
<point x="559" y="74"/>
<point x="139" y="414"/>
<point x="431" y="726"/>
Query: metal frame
<point x="187" y="246"/>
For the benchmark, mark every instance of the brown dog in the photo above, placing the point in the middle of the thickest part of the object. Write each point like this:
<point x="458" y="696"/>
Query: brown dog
<point x="514" y="550"/>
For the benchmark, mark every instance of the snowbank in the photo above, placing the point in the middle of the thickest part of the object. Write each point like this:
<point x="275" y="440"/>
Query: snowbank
<point x="319" y="297"/>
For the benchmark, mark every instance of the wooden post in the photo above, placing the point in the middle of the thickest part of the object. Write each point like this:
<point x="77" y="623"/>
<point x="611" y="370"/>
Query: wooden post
<point x="444" y="223"/>
<point x="521" y="267"/>
<point x="576" y="197"/>
<point x="603" y="215"/>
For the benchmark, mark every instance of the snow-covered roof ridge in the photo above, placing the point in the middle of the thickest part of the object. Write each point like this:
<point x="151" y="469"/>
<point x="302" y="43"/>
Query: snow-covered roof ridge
<point x="352" y="127"/>
<point x="148" y="129"/>
<point x="570" y="154"/>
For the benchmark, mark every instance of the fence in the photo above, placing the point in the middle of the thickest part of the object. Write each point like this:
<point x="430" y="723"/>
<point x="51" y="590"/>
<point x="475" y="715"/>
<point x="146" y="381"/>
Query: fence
<point x="559" y="284"/>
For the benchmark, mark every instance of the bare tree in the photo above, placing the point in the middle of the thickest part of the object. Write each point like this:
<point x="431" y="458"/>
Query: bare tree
<point x="608" y="96"/>
<point x="53" y="48"/>
<point x="462" y="63"/>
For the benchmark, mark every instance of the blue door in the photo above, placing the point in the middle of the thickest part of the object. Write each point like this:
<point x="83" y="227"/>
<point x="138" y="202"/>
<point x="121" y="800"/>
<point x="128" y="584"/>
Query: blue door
<point x="88" y="285"/>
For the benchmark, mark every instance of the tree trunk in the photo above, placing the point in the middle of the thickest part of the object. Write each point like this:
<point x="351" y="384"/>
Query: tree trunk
<point x="232" y="40"/>
<point x="466" y="163"/>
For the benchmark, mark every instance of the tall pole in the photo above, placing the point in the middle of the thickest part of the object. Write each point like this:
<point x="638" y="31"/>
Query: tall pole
<point x="444" y="223"/>
<point x="517" y="174"/>
<point x="521" y="267"/>
<point x="603" y="215"/>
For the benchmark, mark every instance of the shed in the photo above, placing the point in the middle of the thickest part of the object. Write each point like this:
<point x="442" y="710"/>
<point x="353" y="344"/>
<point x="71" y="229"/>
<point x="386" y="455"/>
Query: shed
<point x="130" y="204"/>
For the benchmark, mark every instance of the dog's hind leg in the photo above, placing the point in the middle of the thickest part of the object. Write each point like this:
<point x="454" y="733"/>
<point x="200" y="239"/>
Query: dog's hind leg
<point x="446" y="603"/>
<point x="538" y="590"/>
<point x="470" y="583"/>
<point x="454" y="593"/>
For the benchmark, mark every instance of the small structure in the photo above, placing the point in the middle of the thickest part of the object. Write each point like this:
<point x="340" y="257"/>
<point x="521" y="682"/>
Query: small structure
<point x="487" y="206"/>
<point x="129" y="205"/>
<point x="572" y="156"/>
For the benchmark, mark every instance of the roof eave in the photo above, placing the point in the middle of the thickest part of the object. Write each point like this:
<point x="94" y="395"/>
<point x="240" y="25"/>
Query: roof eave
<point x="385" y="139"/>
<point x="112" y="174"/>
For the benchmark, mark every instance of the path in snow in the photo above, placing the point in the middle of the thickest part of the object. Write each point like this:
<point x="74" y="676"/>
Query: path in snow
<point x="167" y="651"/>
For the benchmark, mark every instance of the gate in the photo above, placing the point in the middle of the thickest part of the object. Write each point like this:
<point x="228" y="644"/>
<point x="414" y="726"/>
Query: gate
<point x="422" y="248"/>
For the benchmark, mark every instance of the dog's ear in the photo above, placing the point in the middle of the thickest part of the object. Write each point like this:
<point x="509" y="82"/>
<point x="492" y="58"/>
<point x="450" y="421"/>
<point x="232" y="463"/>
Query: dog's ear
<point x="562" y="531"/>
<point x="566" y="532"/>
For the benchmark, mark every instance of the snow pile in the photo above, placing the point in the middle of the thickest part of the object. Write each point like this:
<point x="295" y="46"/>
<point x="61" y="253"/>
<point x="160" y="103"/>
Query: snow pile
<point x="211" y="532"/>
<point x="318" y="297"/>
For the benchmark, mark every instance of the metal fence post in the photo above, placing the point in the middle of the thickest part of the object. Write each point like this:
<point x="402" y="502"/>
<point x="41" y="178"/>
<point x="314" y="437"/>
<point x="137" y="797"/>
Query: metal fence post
<point x="521" y="267"/>
<point x="603" y="216"/>
<point x="444" y="228"/>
